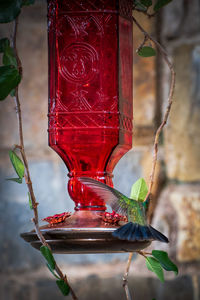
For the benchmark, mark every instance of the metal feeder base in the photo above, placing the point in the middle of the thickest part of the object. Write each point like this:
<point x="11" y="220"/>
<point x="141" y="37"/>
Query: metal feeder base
<point x="83" y="232"/>
<point x="84" y="240"/>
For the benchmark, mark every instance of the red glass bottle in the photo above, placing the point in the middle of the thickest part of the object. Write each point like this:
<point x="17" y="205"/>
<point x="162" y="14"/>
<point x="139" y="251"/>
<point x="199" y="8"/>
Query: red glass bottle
<point x="90" y="89"/>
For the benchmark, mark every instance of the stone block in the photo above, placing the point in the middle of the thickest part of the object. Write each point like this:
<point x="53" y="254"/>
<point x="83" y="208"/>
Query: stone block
<point x="33" y="90"/>
<point x="182" y="139"/>
<point x="93" y="286"/>
<point x="143" y="77"/>
<point x="178" y="289"/>
<point x="144" y="91"/>
<point x="178" y="216"/>
<point x="186" y="202"/>
<point x="142" y="135"/>
<point x="181" y="19"/>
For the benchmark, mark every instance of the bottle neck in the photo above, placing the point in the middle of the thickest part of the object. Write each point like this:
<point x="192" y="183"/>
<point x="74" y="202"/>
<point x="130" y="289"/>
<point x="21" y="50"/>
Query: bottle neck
<point x="83" y="197"/>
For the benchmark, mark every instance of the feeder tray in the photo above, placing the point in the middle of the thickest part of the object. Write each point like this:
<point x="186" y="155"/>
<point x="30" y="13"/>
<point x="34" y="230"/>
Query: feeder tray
<point x="83" y="240"/>
<point x="64" y="239"/>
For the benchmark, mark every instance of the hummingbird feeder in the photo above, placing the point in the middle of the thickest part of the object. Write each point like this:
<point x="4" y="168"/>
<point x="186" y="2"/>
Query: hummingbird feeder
<point x="90" y="116"/>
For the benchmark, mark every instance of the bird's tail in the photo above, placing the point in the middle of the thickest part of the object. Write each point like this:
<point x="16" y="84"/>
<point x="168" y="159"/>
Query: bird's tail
<point x="136" y="232"/>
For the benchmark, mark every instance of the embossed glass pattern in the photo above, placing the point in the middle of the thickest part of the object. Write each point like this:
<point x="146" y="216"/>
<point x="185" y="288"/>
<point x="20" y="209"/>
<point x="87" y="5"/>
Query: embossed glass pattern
<point x="90" y="89"/>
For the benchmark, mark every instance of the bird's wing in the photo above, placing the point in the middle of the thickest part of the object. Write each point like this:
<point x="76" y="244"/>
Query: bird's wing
<point x="117" y="201"/>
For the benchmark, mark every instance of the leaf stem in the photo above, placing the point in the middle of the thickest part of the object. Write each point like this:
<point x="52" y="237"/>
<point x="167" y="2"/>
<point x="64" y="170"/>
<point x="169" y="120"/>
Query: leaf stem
<point x="24" y="158"/>
<point x="143" y="253"/>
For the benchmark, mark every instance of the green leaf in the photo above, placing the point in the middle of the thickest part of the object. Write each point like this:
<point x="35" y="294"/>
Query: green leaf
<point x="17" y="164"/>
<point x="9" y="54"/>
<point x="160" y="3"/>
<point x="9" y="10"/>
<point x="4" y="43"/>
<point x="18" y="180"/>
<point x="146" y="51"/>
<point x="154" y="266"/>
<point x="164" y="260"/>
<point x="139" y="190"/>
<point x="146" y="3"/>
<point x="9" y="57"/>
<point x="29" y="200"/>
<point x="12" y="93"/>
<point x="52" y="271"/>
<point x="46" y="252"/>
<point x="9" y="79"/>
<point x="63" y="287"/>
<point x="140" y="6"/>
<point x="27" y="2"/>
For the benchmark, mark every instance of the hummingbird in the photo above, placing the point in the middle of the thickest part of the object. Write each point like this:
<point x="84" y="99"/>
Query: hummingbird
<point x="137" y="228"/>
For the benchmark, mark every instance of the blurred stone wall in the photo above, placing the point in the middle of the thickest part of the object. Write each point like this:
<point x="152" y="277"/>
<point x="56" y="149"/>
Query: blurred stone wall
<point x="176" y="190"/>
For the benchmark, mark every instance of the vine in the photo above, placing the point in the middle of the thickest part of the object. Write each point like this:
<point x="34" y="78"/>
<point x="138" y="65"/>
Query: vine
<point x="11" y="74"/>
<point x="143" y="6"/>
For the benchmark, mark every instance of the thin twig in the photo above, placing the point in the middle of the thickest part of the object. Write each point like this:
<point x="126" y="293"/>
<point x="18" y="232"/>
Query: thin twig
<point x="169" y="101"/>
<point x="125" y="277"/>
<point x="126" y="274"/>
<point x="143" y="253"/>
<point x="27" y="172"/>
<point x="143" y="43"/>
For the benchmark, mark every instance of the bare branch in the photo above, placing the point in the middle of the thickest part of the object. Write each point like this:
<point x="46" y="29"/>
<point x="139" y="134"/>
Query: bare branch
<point x="27" y="172"/>
<point x="125" y="277"/>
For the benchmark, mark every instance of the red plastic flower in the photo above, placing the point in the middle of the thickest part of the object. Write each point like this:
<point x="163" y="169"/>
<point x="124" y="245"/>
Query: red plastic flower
<point x="113" y="218"/>
<point x="58" y="218"/>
